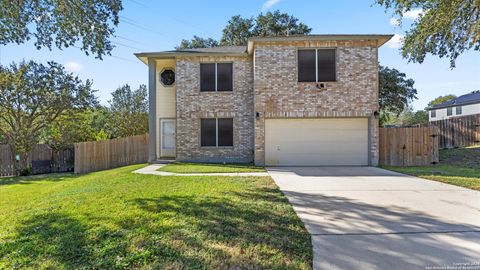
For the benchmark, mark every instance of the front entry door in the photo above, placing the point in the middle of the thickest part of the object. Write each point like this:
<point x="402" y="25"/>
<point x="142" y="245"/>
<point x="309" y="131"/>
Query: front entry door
<point x="167" y="138"/>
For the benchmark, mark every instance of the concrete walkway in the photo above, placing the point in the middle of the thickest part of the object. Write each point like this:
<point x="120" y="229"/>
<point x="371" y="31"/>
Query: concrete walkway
<point x="369" y="218"/>
<point x="153" y="169"/>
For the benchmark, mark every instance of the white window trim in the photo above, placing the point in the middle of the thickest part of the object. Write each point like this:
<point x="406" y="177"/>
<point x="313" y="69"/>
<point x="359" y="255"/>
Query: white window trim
<point x="216" y="132"/>
<point x="456" y="110"/>
<point x="316" y="65"/>
<point x="216" y="79"/>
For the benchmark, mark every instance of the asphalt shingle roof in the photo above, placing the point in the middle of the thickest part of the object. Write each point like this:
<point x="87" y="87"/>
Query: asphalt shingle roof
<point x="473" y="97"/>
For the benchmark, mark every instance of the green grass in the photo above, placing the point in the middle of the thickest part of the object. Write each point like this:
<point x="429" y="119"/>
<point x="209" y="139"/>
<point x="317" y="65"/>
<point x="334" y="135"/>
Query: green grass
<point x="119" y="220"/>
<point x="458" y="166"/>
<point x="181" y="167"/>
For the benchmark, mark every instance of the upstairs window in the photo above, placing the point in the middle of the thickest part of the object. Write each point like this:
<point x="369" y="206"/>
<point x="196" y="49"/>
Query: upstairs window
<point x="216" y="77"/>
<point x="316" y="65"/>
<point x="216" y="132"/>
<point x="458" y="110"/>
<point x="433" y="113"/>
<point x="449" y="111"/>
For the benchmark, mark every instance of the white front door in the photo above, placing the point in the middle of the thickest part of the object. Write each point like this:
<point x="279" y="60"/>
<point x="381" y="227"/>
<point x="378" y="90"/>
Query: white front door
<point x="167" y="138"/>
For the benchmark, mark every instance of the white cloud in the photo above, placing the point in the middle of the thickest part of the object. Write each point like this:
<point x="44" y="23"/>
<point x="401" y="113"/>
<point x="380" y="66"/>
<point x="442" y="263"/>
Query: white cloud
<point x="73" y="66"/>
<point x="396" y="41"/>
<point x="268" y="4"/>
<point x="394" y="22"/>
<point x="409" y="15"/>
<point x="413" y="14"/>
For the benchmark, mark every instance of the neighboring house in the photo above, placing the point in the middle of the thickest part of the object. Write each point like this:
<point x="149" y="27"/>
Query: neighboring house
<point x="297" y="100"/>
<point x="463" y="105"/>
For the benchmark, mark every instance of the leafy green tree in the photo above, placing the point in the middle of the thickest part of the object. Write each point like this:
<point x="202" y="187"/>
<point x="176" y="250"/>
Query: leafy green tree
<point x="395" y="93"/>
<point x="237" y="31"/>
<point x="446" y="28"/>
<point x="32" y="96"/>
<point x="419" y="117"/>
<point x="61" y="23"/>
<point x="128" y="113"/>
<point x="76" y="126"/>
<point x="441" y="99"/>
<point x="278" y="24"/>
<point x="197" y="42"/>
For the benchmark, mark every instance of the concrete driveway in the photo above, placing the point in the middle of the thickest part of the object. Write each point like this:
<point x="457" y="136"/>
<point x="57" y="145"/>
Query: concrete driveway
<point x="369" y="218"/>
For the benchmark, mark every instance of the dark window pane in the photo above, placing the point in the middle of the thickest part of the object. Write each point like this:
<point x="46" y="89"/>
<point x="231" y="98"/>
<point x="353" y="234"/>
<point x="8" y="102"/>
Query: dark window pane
<point x="225" y="132"/>
<point x="208" y="134"/>
<point x="433" y="113"/>
<point x="224" y="77"/>
<point x="306" y="65"/>
<point x="449" y="111"/>
<point x="326" y="65"/>
<point x="207" y="77"/>
<point x="459" y="110"/>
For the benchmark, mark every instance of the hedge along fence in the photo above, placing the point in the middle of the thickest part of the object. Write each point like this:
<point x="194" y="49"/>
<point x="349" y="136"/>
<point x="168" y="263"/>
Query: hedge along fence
<point x="42" y="159"/>
<point x="458" y="131"/>
<point x="103" y="155"/>
<point x="411" y="146"/>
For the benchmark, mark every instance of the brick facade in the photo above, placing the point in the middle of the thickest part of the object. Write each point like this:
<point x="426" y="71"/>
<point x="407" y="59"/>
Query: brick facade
<point x="278" y="94"/>
<point x="193" y="105"/>
<point x="267" y="83"/>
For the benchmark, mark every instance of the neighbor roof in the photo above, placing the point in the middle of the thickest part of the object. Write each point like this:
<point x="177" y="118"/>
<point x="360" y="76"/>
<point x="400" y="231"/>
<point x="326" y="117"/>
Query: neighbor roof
<point x="243" y="50"/>
<point x="470" y="98"/>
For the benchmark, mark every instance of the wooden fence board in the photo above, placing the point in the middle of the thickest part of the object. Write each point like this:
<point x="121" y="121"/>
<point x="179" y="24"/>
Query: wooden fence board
<point x="60" y="161"/>
<point x="103" y="155"/>
<point x="413" y="146"/>
<point x="458" y="131"/>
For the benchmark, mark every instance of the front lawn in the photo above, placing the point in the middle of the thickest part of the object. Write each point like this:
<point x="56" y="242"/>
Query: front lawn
<point x="451" y="170"/>
<point x="119" y="220"/>
<point x="182" y="167"/>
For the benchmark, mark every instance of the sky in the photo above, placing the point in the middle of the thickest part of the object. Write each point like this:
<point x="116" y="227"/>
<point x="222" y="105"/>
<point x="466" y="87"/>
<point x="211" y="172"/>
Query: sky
<point x="157" y="25"/>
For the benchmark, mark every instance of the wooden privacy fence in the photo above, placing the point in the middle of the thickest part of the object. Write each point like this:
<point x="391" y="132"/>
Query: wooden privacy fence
<point x="42" y="159"/>
<point x="412" y="146"/>
<point x="103" y="155"/>
<point x="458" y="131"/>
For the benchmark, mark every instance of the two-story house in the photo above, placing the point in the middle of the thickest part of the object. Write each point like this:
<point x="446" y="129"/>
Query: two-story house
<point x="467" y="104"/>
<point x="296" y="100"/>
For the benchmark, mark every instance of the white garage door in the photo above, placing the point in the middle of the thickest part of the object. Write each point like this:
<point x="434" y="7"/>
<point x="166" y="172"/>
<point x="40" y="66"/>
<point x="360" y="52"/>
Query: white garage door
<point x="312" y="142"/>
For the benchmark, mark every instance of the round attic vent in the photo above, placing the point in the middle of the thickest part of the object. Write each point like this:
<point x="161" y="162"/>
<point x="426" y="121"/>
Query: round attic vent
<point x="167" y="77"/>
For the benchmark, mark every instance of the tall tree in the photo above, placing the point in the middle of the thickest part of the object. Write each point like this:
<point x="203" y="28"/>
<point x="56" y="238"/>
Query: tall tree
<point x="197" y="42"/>
<point x="445" y="27"/>
<point x="278" y="24"/>
<point x="395" y="92"/>
<point x="237" y="31"/>
<point x="61" y="23"/>
<point x="34" y="95"/>
<point x="441" y="99"/>
<point x="76" y="126"/>
<point x="128" y="112"/>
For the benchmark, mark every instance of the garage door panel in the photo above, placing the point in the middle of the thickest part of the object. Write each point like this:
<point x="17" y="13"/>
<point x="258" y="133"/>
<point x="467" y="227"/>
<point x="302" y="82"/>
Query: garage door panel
<point x="328" y="141"/>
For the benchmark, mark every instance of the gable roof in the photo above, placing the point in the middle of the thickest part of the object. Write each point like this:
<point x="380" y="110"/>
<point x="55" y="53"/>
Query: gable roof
<point x="218" y="51"/>
<point x="470" y="98"/>
<point x="244" y="50"/>
<point x="380" y="39"/>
